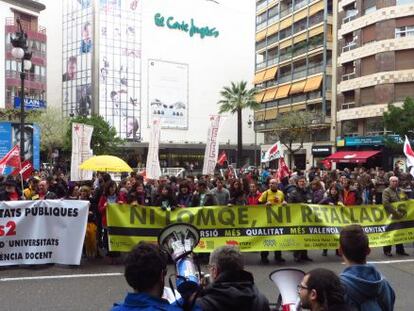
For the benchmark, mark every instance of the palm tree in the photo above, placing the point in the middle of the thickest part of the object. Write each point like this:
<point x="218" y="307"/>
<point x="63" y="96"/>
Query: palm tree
<point x="234" y="99"/>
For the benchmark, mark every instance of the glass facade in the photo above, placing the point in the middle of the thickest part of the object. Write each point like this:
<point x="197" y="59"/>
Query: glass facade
<point x="116" y="65"/>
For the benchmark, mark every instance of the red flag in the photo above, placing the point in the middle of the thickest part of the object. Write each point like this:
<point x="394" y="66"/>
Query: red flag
<point x="327" y="164"/>
<point x="222" y="158"/>
<point x="283" y="170"/>
<point x="12" y="158"/>
<point x="26" y="171"/>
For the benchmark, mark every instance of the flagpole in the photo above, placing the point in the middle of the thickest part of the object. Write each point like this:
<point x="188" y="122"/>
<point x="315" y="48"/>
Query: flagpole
<point x="21" y="179"/>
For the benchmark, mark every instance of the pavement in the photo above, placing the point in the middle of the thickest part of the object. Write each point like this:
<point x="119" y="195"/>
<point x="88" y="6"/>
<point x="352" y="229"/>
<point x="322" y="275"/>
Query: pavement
<point x="94" y="285"/>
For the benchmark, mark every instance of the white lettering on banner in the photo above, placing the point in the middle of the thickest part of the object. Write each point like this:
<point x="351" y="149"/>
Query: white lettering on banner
<point x="212" y="146"/>
<point x="31" y="231"/>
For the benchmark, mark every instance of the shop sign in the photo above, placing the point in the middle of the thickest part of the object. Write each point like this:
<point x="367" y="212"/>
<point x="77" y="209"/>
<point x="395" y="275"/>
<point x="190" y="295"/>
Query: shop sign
<point x="30" y="103"/>
<point x="189" y="27"/>
<point x="364" y="141"/>
<point x="321" y="150"/>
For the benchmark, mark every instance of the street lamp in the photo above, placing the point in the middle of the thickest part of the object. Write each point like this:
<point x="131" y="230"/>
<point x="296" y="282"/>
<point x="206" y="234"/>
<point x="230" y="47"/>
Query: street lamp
<point x="20" y="51"/>
<point x="249" y="124"/>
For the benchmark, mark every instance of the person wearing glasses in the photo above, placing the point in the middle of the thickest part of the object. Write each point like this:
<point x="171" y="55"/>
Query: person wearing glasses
<point x="232" y="287"/>
<point x="321" y="290"/>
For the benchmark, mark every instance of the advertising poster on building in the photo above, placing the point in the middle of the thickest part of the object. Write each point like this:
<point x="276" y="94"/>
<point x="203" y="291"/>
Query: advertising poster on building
<point x="32" y="232"/>
<point x="168" y="93"/>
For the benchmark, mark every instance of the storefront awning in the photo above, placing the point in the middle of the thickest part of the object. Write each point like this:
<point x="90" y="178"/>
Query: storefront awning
<point x="352" y="156"/>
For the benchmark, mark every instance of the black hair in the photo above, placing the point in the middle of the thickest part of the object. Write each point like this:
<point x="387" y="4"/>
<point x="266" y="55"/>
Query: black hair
<point x="354" y="243"/>
<point x="144" y="265"/>
<point x="328" y="287"/>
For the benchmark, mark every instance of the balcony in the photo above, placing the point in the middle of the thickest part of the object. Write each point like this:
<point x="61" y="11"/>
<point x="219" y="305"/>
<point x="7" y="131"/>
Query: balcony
<point x="27" y="27"/>
<point x="350" y="46"/>
<point x="286" y="11"/>
<point x="261" y="6"/>
<point x="348" y="76"/>
<point x="284" y="78"/>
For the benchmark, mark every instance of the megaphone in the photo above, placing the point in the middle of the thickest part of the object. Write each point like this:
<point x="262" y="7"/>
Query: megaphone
<point x="179" y="240"/>
<point x="287" y="281"/>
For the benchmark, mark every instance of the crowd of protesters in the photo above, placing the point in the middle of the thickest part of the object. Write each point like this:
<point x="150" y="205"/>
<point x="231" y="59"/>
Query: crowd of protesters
<point x="253" y="187"/>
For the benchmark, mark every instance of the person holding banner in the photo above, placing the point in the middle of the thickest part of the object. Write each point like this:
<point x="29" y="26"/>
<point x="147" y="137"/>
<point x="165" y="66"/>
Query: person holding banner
<point x="270" y="197"/>
<point x="390" y="195"/>
<point x="300" y="195"/>
<point x="32" y="190"/>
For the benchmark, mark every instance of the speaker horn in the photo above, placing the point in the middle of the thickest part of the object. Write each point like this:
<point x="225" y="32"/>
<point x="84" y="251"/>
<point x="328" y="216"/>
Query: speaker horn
<point x="287" y="281"/>
<point x="179" y="240"/>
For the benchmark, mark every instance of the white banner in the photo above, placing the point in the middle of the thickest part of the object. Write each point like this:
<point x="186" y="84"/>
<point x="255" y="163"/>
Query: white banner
<point x="153" y="169"/>
<point x="212" y="146"/>
<point x="40" y="232"/>
<point x="81" y="151"/>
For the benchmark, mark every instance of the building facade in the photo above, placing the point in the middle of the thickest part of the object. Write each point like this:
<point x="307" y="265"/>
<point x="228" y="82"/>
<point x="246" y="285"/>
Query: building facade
<point x="294" y="44"/>
<point x="132" y="61"/>
<point x="35" y="83"/>
<point x="375" y="68"/>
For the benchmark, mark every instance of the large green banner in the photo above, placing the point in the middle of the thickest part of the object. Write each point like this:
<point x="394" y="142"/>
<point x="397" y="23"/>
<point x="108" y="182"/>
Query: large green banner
<point x="261" y="228"/>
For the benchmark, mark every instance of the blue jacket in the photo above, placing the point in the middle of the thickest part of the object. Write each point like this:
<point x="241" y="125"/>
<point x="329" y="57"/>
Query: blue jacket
<point x="144" y="302"/>
<point x="367" y="289"/>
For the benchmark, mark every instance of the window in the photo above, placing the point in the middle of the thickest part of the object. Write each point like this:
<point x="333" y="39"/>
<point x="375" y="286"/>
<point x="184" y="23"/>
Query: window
<point x="403" y="90"/>
<point x="404" y="59"/>
<point x="374" y="126"/>
<point x="369" y="6"/>
<point x="350" y="128"/>
<point x="403" y="2"/>
<point x="368" y="65"/>
<point x="261" y="19"/>
<point x="405" y="31"/>
<point x="367" y="95"/>
<point x="369" y="34"/>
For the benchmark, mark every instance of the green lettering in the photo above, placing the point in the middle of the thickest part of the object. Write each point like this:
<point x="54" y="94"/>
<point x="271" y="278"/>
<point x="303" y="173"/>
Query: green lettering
<point x="184" y="213"/>
<point x="159" y="20"/>
<point x="306" y="212"/>
<point x="169" y="22"/>
<point x="205" y="216"/>
<point x="317" y="214"/>
<point x="273" y="215"/>
<point x="139" y="214"/>
<point x="243" y="216"/>
<point x="364" y="215"/>
<point x="229" y="220"/>
<point x="334" y="216"/>
<point x="377" y="214"/>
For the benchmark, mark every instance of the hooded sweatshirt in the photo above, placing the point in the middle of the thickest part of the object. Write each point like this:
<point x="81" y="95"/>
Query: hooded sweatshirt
<point x="367" y="289"/>
<point x="232" y="291"/>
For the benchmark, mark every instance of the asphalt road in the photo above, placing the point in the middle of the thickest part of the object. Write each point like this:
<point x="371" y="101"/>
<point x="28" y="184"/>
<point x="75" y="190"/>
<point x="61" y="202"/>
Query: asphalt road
<point x="95" y="285"/>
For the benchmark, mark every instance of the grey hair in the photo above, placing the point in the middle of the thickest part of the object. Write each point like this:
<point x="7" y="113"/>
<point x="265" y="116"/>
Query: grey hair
<point x="393" y="178"/>
<point x="227" y="258"/>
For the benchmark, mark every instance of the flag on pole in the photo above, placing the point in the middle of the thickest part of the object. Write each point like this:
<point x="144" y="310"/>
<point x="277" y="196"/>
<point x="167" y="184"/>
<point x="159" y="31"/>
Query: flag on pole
<point x="283" y="170"/>
<point x="212" y="145"/>
<point x="152" y="167"/>
<point x="12" y="158"/>
<point x="222" y="158"/>
<point x="409" y="153"/>
<point x="274" y="152"/>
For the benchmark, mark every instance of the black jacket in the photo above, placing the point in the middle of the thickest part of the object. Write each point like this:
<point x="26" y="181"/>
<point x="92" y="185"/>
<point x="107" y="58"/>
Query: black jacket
<point x="300" y="196"/>
<point x="233" y="291"/>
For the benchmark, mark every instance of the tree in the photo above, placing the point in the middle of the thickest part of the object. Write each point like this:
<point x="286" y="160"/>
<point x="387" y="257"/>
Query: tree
<point x="104" y="136"/>
<point x="399" y="120"/>
<point x="294" y="127"/>
<point x="53" y="129"/>
<point x="234" y="99"/>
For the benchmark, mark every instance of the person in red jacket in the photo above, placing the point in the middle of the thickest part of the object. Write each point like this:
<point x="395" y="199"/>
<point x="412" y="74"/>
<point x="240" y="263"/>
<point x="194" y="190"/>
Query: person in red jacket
<point x="350" y="195"/>
<point x="253" y="195"/>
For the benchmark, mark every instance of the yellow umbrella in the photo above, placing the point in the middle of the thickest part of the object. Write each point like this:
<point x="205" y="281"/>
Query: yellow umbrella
<point x="105" y="163"/>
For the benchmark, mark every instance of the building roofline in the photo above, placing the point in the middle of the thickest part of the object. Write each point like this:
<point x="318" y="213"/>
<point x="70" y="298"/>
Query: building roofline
<point x="28" y="4"/>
